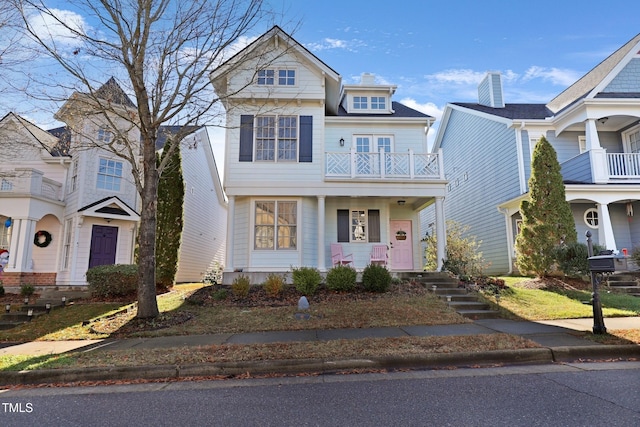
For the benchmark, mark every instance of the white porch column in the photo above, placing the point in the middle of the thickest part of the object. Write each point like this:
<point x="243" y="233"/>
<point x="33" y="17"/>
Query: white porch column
<point x="321" y="215"/>
<point x="21" y="254"/>
<point x="591" y="132"/>
<point x="605" y="230"/>
<point x="231" y="215"/>
<point x="441" y="232"/>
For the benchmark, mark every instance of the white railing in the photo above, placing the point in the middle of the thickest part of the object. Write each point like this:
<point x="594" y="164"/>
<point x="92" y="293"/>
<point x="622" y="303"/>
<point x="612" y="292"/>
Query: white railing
<point x="408" y="165"/>
<point x="29" y="182"/>
<point x="623" y="165"/>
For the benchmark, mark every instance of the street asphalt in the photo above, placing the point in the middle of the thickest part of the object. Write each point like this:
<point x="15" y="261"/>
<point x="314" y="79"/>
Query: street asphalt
<point x="558" y="340"/>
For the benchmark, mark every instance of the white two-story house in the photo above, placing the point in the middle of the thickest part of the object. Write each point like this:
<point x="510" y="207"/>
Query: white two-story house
<point x="311" y="162"/>
<point x="66" y="204"/>
<point x="594" y="127"/>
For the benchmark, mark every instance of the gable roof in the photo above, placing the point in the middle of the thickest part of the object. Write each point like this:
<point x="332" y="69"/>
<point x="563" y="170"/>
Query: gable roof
<point x="110" y="207"/>
<point x="511" y="111"/>
<point x="43" y="138"/>
<point x="587" y="83"/>
<point x="333" y="79"/>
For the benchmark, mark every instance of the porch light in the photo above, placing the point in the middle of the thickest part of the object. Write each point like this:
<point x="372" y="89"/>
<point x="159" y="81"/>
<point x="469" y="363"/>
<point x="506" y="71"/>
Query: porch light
<point x="341" y="142"/>
<point x="603" y="120"/>
<point x="401" y="202"/>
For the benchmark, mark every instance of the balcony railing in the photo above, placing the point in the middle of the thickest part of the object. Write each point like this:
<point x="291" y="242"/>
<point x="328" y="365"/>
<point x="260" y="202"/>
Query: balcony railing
<point x="408" y="165"/>
<point x="29" y="182"/>
<point x="623" y="165"/>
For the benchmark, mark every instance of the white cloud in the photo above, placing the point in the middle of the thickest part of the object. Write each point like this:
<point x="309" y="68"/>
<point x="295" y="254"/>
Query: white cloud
<point x="461" y="76"/>
<point x="59" y="27"/>
<point x="556" y="76"/>
<point x="331" y="43"/>
<point x="427" y="108"/>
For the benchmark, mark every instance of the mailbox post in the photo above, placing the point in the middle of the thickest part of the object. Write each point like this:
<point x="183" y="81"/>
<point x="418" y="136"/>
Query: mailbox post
<point x="597" y="266"/>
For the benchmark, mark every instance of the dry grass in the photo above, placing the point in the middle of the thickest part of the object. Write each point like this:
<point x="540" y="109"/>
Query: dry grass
<point x="325" y="350"/>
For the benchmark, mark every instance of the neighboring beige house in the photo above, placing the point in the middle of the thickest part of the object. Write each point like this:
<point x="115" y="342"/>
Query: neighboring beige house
<point x="64" y="209"/>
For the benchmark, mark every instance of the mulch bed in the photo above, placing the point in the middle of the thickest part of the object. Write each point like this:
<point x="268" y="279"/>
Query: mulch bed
<point x="209" y="296"/>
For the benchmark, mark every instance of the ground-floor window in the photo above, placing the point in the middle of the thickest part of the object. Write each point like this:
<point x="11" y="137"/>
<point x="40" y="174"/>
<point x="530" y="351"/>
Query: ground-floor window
<point x="591" y="218"/>
<point x="276" y="224"/>
<point x="66" y="254"/>
<point x="358" y="225"/>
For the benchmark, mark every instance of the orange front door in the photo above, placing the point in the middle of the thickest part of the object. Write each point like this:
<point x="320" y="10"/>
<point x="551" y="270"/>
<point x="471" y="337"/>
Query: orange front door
<point x="401" y="245"/>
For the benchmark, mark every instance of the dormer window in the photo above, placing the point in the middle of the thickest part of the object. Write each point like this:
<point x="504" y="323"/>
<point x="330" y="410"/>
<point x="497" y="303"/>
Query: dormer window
<point x="267" y="77"/>
<point x="360" y="103"/>
<point x="378" y="103"/>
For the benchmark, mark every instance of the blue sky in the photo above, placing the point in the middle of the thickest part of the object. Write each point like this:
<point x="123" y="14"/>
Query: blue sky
<point x="437" y="51"/>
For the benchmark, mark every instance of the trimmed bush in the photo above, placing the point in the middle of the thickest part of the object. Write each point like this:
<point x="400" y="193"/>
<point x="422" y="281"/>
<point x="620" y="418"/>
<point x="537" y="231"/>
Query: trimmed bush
<point x="27" y="290"/>
<point x="341" y="278"/>
<point x="572" y="258"/>
<point x="274" y="285"/>
<point x="376" y="278"/>
<point x="306" y="280"/>
<point x="240" y="286"/>
<point x="113" y="280"/>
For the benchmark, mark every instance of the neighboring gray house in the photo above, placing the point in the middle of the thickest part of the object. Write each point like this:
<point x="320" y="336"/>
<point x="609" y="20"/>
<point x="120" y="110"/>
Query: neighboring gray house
<point x="594" y="126"/>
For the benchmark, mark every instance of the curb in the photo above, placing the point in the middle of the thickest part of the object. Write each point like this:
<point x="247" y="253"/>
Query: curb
<point x="570" y="354"/>
<point x="430" y="360"/>
<point x="530" y="356"/>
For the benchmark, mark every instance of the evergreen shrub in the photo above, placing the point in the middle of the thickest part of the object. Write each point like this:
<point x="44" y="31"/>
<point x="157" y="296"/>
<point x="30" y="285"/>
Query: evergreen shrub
<point x="341" y="278"/>
<point x="113" y="280"/>
<point x="376" y="278"/>
<point x="306" y="280"/>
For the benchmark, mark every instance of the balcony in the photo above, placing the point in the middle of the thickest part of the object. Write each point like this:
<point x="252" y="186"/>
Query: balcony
<point x="29" y="182"/>
<point x="623" y="165"/>
<point x="400" y="166"/>
<point x="599" y="167"/>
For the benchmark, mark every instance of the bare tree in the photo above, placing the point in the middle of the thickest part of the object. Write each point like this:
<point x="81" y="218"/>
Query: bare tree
<point x="161" y="52"/>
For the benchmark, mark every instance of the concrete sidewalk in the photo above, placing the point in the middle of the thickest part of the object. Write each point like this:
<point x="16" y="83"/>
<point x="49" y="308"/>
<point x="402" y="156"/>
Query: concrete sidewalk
<point x="552" y="333"/>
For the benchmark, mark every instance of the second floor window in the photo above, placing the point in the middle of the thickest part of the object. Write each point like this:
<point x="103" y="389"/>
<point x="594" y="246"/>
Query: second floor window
<point x="73" y="185"/>
<point x="105" y="135"/>
<point x="266" y="77"/>
<point x="109" y="175"/>
<point x="276" y="138"/>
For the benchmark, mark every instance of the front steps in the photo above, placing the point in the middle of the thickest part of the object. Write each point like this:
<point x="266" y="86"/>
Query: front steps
<point x="460" y="299"/>
<point x="625" y="282"/>
<point x="48" y="300"/>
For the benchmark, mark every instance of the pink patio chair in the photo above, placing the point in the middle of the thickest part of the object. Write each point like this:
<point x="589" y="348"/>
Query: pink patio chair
<point x="337" y="257"/>
<point x="379" y="255"/>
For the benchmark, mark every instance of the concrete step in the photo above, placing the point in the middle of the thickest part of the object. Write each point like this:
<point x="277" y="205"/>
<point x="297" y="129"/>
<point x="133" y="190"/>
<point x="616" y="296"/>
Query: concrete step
<point x="624" y="289"/>
<point x="479" y="314"/>
<point x="450" y="291"/>
<point x="468" y="305"/>
<point x="458" y="297"/>
<point x="616" y="283"/>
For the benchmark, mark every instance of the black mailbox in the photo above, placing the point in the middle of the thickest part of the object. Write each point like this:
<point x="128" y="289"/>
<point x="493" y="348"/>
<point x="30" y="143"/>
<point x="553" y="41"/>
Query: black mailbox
<point x="607" y="263"/>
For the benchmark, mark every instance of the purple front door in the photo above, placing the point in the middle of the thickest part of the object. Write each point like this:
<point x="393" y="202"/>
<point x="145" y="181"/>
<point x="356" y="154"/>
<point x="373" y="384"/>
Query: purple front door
<point x="103" y="245"/>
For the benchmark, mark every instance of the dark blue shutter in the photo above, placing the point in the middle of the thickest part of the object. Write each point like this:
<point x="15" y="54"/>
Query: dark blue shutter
<point x="343" y="225"/>
<point x="306" y="139"/>
<point x="246" y="138"/>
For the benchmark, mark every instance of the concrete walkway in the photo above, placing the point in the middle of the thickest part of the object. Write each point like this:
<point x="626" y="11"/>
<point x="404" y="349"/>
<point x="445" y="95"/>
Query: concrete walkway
<point x="550" y="333"/>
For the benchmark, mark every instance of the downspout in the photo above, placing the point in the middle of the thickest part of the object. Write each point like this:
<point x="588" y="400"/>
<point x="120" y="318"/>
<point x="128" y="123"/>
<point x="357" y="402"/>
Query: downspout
<point x="509" y="230"/>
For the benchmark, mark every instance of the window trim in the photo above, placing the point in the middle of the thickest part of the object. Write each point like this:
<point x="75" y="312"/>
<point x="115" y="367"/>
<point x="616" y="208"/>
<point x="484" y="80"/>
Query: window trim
<point x="105" y="135"/>
<point x="596" y="217"/>
<point x="276" y="76"/>
<point x="582" y="144"/>
<point x="275" y="240"/>
<point x="277" y="139"/>
<point x="373" y="141"/>
<point x="119" y="178"/>
<point x="626" y="136"/>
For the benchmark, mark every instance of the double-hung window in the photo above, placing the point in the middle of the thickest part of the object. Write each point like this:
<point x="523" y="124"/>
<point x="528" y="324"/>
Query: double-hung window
<point x="73" y="185"/>
<point x="276" y="138"/>
<point x="276" y="225"/>
<point x="109" y="175"/>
